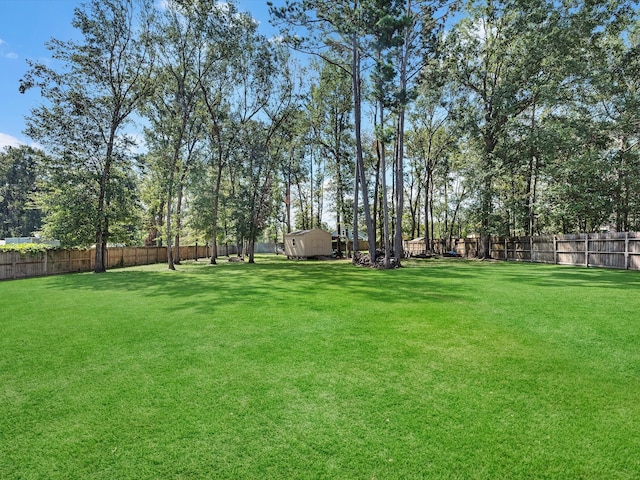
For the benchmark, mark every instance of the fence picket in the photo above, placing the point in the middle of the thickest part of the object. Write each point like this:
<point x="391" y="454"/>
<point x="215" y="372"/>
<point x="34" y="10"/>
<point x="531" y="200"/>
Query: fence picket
<point x="13" y="265"/>
<point x="606" y="250"/>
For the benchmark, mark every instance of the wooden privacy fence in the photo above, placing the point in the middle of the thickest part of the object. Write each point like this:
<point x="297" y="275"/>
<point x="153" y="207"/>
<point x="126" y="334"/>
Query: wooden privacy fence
<point x="15" y="265"/>
<point x="607" y="250"/>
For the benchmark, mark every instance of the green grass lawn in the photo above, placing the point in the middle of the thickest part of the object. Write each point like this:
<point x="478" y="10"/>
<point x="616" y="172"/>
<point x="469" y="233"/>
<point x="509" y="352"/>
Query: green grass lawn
<point x="312" y="370"/>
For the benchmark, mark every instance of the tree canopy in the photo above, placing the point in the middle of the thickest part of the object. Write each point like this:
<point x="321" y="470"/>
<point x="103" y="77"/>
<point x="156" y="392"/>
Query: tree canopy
<point x="398" y="119"/>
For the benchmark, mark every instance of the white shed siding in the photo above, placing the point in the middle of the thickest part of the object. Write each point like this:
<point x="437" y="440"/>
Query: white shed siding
<point x="307" y="243"/>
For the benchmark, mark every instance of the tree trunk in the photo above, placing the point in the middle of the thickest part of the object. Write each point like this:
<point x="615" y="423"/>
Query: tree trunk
<point x="170" y="262"/>
<point x="340" y="208"/>
<point x="427" y="212"/>
<point x="176" y="255"/>
<point x="431" y="202"/>
<point x="288" y="200"/>
<point x="454" y="216"/>
<point x="485" y="211"/>
<point x="486" y="195"/>
<point x="385" y="205"/>
<point x="531" y="180"/>
<point x="216" y="206"/>
<point x="376" y="215"/>
<point x="100" y="257"/>
<point x="311" y="193"/>
<point x="251" y="245"/>
<point x="102" y="232"/>
<point x="357" y="98"/>
<point x="354" y="233"/>
<point x="399" y="163"/>
<point x="320" y="194"/>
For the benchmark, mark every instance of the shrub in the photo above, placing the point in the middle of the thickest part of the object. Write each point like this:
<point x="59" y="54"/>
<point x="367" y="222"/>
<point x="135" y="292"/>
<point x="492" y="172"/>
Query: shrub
<point x="26" y="248"/>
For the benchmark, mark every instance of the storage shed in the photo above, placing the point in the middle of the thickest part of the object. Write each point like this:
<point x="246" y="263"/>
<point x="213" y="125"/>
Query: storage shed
<point x="307" y="243"/>
<point x="415" y="247"/>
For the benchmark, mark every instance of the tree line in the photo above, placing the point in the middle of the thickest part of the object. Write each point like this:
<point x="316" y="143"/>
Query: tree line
<point x="391" y="118"/>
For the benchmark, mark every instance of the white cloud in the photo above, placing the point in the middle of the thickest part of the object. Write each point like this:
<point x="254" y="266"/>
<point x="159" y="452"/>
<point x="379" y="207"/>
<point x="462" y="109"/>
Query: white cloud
<point x="483" y="31"/>
<point x="223" y="7"/>
<point x="9" y="55"/>
<point x="9" y="141"/>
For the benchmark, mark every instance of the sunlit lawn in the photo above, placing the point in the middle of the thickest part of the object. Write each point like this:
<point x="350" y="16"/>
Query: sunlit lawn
<point x="286" y="370"/>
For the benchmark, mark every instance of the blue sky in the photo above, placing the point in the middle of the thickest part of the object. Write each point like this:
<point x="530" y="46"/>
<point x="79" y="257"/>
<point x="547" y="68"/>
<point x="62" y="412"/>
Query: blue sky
<point x="25" y="27"/>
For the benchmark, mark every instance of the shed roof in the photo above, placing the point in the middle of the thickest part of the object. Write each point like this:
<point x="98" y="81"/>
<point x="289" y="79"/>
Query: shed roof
<point x="304" y="232"/>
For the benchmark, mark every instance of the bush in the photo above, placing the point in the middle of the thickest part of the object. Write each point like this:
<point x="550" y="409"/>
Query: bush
<point x="26" y="248"/>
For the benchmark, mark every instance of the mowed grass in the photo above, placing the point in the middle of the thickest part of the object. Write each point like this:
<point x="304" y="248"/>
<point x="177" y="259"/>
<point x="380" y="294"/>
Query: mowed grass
<point x="320" y="370"/>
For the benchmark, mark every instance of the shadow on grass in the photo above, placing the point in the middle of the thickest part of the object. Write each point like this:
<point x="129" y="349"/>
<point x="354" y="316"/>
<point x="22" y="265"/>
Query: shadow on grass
<point x="561" y="276"/>
<point x="203" y="286"/>
<point x="277" y="282"/>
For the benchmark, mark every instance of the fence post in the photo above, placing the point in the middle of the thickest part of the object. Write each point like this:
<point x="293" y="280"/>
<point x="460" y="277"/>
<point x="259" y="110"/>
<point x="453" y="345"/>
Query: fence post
<point x="555" y="250"/>
<point x="506" y="248"/>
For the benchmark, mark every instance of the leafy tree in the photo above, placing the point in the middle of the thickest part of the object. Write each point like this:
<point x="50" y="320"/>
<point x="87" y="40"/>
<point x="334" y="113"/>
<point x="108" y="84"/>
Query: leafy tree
<point x="420" y="24"/>
<point x="615" y="96"/>
<point x="391" y="37"/>
<point x="429" y="146"/>
<point x="152" y="197"/>
<point x="68" y="198"/>
<point x="256" y="168"/>
<point x="576" y="196"/>
<point x="19" y="174"/>
<point x="294" y="168"/>
<point x="264" y="102"/>
<point x="255" y="172"/>
<point x="175" y="126"/>
<point x="387" y="30"/>
<point x="315" y="27"/>
<point x="91" y="93"/>
<point x="483" y="59"/>
<point x="507" y="58"/>
<point x="563" y="133"/>
<point x="331" y="107"/>
<point x="232" y="71"/>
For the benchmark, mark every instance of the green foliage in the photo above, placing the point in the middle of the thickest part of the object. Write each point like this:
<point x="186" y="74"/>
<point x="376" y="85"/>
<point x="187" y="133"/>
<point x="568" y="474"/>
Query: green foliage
<point x="459" y="370"/>
<point x="69" y="200"/>
<point x="525" y="120"/>
<point x="70" y="211"/>
<point x="90" y="92"/>
<point x="254" y="169"/>
<point x="330" y="113"/>
<point x="545" y="122"/>
<point x="19" y="174"/>
<point x="26" y="248"/>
